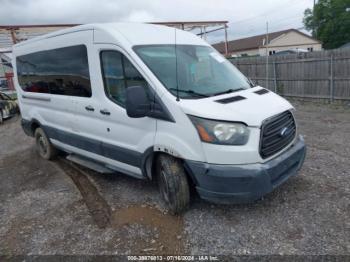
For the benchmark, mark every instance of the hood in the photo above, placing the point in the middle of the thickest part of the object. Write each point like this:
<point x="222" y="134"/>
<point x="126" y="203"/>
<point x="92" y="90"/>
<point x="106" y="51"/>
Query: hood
<point x="252" y="108"/>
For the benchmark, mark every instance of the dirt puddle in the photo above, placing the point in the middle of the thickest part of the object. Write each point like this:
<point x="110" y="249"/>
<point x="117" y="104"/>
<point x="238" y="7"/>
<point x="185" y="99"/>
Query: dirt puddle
<point x="166" y="230"/>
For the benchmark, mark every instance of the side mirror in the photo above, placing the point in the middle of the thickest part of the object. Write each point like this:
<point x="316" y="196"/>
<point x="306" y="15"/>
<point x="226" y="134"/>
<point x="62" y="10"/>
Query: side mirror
<point x="137" y="102"/>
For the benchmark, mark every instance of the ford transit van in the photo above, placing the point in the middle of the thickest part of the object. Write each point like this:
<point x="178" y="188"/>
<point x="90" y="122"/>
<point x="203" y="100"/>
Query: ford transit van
<point x="156" y="103"/>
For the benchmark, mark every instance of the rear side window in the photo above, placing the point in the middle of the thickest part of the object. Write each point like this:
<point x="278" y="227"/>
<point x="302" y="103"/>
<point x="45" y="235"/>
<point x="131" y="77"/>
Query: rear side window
<point x="62" y="71"/>
<point x="118" y="74"/>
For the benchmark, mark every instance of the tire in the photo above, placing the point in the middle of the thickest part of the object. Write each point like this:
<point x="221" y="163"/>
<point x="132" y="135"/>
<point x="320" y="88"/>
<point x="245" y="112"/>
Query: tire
<point x="43" y="145"/>
<point x="1" y="117"/>
<point x="173" y="183"/>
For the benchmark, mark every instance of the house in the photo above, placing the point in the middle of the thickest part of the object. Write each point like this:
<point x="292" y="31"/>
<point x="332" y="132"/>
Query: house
<point x="290" y="39"/>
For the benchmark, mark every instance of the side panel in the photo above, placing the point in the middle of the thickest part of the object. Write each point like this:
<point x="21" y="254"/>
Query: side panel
<point x="122" y="138"/>
<point x="126" y="160"/>
<point x="51" y="110"/>
<point x="179" y="138"/>
<point x="110" y="163"/>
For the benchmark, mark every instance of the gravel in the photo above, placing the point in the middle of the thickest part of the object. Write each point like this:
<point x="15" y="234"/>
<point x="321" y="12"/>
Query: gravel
<point x="45" y="210"/>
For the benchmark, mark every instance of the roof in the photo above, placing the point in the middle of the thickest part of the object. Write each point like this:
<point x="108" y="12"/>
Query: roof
<point x="129" y="33"/>
<point x="254" y="42"/>
<point x="11" y="34"/>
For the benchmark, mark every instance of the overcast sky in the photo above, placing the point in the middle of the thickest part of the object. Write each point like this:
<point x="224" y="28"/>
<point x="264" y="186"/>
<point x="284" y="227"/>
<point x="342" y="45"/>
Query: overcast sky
<point x="246" y="17"/>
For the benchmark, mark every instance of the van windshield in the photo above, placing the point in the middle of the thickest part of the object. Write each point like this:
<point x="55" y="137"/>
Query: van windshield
<point x="201" y="70"/>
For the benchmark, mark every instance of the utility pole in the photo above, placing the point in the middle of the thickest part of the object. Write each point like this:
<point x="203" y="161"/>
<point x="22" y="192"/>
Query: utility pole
<point x="267" y="55"/>
<point x="313" y="14"/>
<point x="226" y="44"/>
<point x="205" y="33"/>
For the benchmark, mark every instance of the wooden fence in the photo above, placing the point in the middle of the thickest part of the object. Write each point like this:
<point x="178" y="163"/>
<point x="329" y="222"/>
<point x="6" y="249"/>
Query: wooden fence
<point x="322" y="75"/>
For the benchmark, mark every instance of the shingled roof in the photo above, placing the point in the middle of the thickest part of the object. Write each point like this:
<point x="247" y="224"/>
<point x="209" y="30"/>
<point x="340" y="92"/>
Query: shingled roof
<point x="252" y="42"/>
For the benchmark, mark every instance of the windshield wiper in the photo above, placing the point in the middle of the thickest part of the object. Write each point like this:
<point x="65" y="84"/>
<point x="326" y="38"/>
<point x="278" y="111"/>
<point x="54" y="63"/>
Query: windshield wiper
<point x="189" y="92"/>
<point x="227" y="91"/>
<point x="251" y="83"/>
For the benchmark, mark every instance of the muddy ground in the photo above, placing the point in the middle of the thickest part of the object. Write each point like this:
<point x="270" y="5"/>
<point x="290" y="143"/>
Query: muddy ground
<point x="60" y="208"/>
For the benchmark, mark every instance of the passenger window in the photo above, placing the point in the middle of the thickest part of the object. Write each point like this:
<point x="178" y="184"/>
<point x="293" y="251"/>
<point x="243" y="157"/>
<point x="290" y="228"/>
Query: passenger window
<point x="62" y="71"/>
<point x="118" y="74"/>
<point x="132" y="76"/>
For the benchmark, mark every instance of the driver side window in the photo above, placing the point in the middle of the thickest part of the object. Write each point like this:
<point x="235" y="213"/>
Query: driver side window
<point x="119" y="74"/>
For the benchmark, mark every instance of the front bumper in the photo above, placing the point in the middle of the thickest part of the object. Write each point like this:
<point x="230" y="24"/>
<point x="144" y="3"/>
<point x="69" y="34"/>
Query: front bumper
<point x="229" y="184"/>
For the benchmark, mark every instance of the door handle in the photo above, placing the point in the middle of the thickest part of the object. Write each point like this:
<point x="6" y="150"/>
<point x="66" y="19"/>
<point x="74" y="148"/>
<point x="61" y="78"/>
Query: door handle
<point x="105" y="112"/>
<point x="89" y="108"/>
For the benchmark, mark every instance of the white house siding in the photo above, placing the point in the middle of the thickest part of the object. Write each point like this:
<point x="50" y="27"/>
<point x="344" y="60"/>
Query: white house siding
<point x="291" y="40"/>
<point x="292" y="37"/>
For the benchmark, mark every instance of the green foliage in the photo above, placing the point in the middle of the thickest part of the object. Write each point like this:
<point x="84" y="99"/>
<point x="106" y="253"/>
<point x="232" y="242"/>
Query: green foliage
<point x="329" y="22"/>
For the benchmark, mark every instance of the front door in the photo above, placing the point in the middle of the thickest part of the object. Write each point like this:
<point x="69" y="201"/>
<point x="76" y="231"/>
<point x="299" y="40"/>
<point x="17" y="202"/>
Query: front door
<point x="124" y="140"/>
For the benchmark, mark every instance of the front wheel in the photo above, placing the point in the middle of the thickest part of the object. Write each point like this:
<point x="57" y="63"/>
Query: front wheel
<point x="173" y="183"/>
<point x="43" y="145"/>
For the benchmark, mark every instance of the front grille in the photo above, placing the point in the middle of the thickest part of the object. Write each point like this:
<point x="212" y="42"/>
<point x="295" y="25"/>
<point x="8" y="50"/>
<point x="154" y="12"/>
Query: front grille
<point x="276" y="133"/>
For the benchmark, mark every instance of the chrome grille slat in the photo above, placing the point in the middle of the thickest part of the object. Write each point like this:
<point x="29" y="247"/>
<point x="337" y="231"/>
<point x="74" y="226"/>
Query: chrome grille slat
<point x="271" y="135"/>
<point x="271" y="143"/>
<point x="272" y="140"/>
<point x="272" y="149"/>
<point x="277" y="127"/>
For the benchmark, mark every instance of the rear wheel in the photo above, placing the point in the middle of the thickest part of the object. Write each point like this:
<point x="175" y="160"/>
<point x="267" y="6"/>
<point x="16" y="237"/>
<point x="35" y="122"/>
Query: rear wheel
<point x="173" y="183"/>
<point x="43" y="145"/>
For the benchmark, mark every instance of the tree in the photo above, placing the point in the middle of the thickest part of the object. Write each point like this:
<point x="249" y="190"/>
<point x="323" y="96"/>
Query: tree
<point x="329" y="22"/>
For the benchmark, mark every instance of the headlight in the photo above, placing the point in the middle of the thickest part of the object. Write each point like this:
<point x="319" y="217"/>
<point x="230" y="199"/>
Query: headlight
<point x="220" y="132"/>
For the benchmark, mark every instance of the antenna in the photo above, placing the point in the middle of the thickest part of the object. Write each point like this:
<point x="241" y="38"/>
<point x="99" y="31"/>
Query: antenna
<point x="176" y="73"/>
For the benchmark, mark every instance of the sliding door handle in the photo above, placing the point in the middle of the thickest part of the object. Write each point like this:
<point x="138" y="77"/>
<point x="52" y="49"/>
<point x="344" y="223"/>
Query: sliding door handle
<point x="89" y="108"/>
<point x="105" y="112"/>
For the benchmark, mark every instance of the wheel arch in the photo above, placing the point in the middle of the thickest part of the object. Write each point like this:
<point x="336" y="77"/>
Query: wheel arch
<point x="149" y="163"/>
<point x="29" y="126"/>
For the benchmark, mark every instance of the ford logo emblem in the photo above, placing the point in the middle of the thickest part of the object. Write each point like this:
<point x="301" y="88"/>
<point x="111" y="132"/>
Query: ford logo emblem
<point x="284" y="132"/>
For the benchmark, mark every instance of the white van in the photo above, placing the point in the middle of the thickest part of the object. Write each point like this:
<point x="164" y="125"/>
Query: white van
<point x="156" y="103"/>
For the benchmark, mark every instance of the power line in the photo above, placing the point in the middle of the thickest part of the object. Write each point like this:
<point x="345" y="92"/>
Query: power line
<point x="266" y="13"/>
<point x="273" y="26"/>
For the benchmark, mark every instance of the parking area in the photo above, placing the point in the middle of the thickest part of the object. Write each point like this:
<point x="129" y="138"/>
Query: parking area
<point x="60" y="208"/>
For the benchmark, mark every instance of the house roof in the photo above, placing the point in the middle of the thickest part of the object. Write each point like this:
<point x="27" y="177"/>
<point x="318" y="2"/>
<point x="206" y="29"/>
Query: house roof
<point x="253" y="42"/>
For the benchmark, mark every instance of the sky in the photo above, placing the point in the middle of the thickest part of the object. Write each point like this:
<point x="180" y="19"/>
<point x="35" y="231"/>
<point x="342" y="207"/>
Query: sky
<point x="246" y="17"/>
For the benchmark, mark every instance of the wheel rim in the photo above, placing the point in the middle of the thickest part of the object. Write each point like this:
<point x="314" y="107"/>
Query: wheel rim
<point x="42" y="145"/>
<point x="164" y="185"/>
